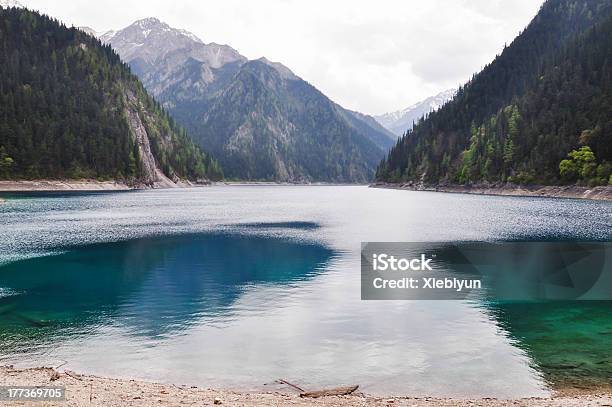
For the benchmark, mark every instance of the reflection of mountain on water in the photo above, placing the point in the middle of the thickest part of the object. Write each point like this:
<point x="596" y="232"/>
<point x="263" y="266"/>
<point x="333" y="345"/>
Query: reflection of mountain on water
<point x="569" y="342"/>
<point x="153" y="286"/>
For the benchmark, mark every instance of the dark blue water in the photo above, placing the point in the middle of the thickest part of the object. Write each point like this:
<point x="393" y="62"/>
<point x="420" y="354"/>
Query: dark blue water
<point x="178" y="281"/>
<point x="238" y="286"/>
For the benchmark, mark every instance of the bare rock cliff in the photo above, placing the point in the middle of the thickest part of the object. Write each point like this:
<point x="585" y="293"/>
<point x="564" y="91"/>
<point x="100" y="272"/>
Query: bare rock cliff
<point x="151" y="174"/>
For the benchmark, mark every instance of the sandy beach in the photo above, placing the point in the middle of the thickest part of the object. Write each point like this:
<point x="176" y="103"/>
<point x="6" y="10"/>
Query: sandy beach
<point x="603" y="193"/>
<point x="86" y="390"/>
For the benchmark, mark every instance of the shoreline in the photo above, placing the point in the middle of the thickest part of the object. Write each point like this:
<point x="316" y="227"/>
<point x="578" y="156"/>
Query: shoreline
<point x="87" y="390"/>
<point x="281" y="183"/>
<point x="86" y="185"/>
<point x="601" y="193"/>
<point x="63" y="185"/>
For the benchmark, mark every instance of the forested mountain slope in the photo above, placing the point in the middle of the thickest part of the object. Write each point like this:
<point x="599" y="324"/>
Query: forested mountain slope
<point x="541" y="112"/>
<point x="69" y="108"/>
<point x="273" y="128"/>
<point x="257" y="117"/>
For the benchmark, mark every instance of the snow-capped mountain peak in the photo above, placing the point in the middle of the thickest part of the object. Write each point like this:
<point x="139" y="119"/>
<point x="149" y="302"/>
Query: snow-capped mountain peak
<point x="150" y="40"/>
<point x="400" y="121"/>
<point x="10" y="3"/>
<point x="148" y="22"/>
<point x="152" y="25"/>
<point x="106" y="36"/>
<point x="89" y="31"/>
<point x="190" y="35"/>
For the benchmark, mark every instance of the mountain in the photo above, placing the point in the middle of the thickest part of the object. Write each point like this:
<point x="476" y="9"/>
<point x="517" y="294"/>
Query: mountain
<point x="541" y="112"/>
<point x="101" y="35"/>
<point x="10" y="3"/>
<point x="90" y="31"/>
<point x="260" y="119"/>
<point x="69" y="108"/>
<point x="400" y="121"/>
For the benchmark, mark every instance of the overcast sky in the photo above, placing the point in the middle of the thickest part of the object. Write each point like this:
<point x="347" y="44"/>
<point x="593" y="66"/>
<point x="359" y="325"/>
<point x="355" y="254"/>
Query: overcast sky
<point x="374" y="56"/>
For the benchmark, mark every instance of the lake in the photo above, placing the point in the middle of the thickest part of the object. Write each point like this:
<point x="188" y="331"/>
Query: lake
<point x="236" y="286"/>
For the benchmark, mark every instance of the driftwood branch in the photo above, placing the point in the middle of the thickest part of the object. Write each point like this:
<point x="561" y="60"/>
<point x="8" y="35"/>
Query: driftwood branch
<point x="337" y="391"/>
<point x="283" y="381"/>
<point x="72" y="374"/>
<point x="61" y="364"/>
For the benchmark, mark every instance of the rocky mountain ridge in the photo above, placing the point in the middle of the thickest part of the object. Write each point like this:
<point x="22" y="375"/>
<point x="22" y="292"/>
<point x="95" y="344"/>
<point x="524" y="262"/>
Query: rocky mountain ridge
<point x="252" y="115"/>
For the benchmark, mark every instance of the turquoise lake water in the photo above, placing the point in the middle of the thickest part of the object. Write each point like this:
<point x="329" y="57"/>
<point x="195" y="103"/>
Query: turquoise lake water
<point x="236" y="286"/>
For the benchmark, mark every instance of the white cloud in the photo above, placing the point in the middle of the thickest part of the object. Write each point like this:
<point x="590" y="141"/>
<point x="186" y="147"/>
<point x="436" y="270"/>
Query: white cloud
<point x="371" y="56"/>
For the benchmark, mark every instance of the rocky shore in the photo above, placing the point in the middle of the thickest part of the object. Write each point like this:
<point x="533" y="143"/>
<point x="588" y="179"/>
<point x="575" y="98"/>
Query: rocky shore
<point x="85" y="390"/>
<point x="94" y="185"/>
<point x="551" y="191"/>
<point x="67" y="185"/>
<point x="85" y="185"/>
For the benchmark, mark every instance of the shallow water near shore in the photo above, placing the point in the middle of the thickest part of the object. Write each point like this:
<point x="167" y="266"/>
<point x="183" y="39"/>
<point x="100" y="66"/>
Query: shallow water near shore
<point x="236" y="286"/>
